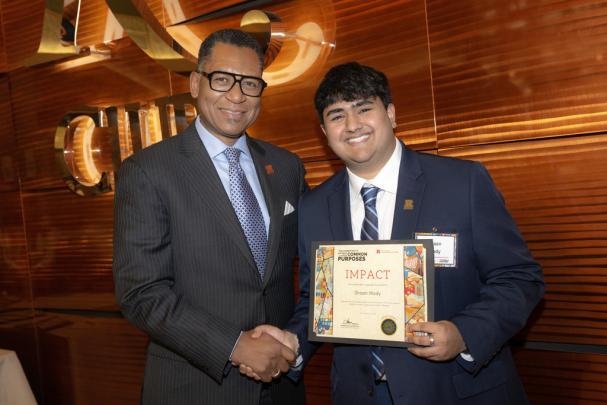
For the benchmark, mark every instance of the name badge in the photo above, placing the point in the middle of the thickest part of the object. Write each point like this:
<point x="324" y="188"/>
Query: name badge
<point x="445" y="248"/>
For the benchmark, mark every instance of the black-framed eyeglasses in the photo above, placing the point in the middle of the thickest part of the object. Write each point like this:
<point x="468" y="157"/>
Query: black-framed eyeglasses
<point x="224" y="81"/>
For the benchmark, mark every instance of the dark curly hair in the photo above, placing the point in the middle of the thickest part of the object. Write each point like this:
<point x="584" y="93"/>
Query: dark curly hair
<point x="348" y="82"/>
<point x="231" y="37"/>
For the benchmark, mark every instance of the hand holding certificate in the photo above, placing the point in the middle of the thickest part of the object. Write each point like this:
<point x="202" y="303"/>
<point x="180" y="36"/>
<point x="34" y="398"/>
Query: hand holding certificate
<point x="368" y="292"/>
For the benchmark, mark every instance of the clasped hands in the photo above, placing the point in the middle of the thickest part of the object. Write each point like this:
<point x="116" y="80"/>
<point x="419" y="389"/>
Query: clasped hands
<point x="264" y="352"/>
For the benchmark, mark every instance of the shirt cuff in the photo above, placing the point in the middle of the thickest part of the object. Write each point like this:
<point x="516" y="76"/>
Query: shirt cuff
<point x="467" y="356"/>
<point x="299" y="360"/>
<point x="234" y="348"/>
<point x="298" y="363"/>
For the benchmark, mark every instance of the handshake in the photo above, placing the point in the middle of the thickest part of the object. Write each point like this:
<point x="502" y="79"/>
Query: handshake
<point x="264" y="352"/>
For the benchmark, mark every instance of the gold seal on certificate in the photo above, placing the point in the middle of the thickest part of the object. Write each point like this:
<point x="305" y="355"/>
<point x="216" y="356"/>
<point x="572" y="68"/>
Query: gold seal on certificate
<point x="367" y="292"/>
<point x="388" y="326"/>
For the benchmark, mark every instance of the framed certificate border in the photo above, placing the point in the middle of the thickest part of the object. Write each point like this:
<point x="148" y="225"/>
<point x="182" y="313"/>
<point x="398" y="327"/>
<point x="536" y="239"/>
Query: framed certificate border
<point x="378" y="289"/>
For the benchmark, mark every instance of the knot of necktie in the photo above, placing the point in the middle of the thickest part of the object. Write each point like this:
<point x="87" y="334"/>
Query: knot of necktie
<point x="233" y="155"/>
<point x="369" y="195"/>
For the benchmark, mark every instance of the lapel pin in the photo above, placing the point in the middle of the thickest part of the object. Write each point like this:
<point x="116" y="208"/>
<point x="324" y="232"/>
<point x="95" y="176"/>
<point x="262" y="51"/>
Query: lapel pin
<point x="269" y="169"/>
<point x="408" y="205"/>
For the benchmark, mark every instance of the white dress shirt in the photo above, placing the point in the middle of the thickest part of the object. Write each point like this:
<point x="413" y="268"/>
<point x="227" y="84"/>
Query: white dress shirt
<point x="387" y="181"/>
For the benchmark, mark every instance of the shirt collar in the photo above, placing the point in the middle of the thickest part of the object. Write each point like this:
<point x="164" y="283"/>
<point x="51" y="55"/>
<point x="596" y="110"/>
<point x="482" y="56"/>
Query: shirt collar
<point x="214" y="146"/>
<point x="385" y="179"/>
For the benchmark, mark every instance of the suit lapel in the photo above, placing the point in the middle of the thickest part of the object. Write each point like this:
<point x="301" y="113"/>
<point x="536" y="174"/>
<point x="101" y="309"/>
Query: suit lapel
<point x="205" y="181"/>
<point x="274" y="201"/>
<point x="409" y="196"/>
<point x="339" y="208"/>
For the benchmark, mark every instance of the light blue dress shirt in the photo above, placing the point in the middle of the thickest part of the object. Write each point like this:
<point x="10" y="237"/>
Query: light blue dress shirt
<point x="215" y="148"/>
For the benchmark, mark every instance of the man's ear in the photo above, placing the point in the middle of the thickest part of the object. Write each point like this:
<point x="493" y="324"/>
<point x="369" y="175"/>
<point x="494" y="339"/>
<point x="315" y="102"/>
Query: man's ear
<point x="194" y="84"/>
<point x="391" y="114"/>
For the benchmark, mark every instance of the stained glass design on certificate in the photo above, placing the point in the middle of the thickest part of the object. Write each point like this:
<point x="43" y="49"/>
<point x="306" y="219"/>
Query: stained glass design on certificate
<point x="323" y="291"/>
<point x="415" y="284"/>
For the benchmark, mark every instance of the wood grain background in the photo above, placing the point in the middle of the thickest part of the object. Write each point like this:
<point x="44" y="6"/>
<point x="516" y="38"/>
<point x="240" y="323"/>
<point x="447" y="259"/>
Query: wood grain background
<point x="520" y="86"/>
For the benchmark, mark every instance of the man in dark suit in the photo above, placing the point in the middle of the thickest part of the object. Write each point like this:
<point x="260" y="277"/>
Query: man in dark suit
<point x="204" y="242"/>
<point x="488" y="284"/>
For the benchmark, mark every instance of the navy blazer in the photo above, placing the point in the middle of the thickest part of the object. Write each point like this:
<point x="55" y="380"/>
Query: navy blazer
<point x="488" y="295"/>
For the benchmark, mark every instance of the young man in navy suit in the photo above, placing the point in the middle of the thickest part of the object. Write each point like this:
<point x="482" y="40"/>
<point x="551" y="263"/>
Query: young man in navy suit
<point x="485" y="290"/>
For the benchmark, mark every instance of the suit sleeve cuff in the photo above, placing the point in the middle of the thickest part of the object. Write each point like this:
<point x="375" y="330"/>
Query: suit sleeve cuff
<point x="466" y="356"/>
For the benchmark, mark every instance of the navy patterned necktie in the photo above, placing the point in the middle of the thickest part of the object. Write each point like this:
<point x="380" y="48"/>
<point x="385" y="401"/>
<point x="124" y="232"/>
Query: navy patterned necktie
<point x="370" y="231"/>
<point x="247" y="209"/>
<point x="370" y="227"/>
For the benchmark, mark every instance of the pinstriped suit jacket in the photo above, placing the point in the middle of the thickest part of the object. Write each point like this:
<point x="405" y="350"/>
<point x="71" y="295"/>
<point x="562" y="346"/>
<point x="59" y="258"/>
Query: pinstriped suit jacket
<point x="184" y="273"/>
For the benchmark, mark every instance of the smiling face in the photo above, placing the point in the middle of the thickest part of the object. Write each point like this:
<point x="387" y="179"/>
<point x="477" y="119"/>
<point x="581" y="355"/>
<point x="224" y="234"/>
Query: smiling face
<point x="227" y="115"/>
<point x="361" y="133"/>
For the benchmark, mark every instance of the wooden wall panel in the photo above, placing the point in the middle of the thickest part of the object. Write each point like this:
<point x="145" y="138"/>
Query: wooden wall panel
<point x="3" y="64"/>
<point x="70" y="249"/>
<point x="192" y="9"/>
<point x="16" y="314"/>
<point x="9" y="180"/>
<point x="94" y="14"/>
<point x="22" y="27"/>
<point x="561" y="378"/>
<point x="15" y="287"/>
<point x="385" y="35"/>
<point x="317" y="376"/>
<point x="42" y="95"/>
<point x="90" y="360"/>
<point x="507" y="70"/>
<point x="317" y="172"/>
<point x="557" y="192"/>
<point x="93" y="21"/>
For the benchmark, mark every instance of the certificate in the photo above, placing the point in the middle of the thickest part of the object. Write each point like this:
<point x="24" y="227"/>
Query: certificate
<point x="367" y="292"/>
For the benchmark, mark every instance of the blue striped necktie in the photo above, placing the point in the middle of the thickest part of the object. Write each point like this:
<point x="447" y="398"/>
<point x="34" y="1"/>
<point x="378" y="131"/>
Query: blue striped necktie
<point x="370" y="228"/>
<point x="370" y="231"/>
<point x="247" y="209"/>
